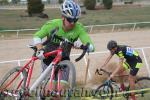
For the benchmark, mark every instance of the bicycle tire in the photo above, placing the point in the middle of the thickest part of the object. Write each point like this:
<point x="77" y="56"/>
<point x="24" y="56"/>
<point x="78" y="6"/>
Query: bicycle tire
<point x="72" y="80"/>
<point x="105" y="90"/>
<point x="142" y="83"/>
<point x="6" y="78"/>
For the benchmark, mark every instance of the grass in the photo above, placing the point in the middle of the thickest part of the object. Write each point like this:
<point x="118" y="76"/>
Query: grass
<point x="139" y="97"/>
<point x="88" y="96"/>
<point x="11" y="19"/>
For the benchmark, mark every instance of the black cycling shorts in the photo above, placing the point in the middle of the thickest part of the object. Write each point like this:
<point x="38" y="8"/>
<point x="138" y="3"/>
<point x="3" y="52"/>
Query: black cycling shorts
<point x="132" y="67"/>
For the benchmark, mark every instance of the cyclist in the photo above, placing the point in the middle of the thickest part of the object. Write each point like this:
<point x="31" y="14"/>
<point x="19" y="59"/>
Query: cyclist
<point x="128" y="59"/>
<point x="68" y="27"/>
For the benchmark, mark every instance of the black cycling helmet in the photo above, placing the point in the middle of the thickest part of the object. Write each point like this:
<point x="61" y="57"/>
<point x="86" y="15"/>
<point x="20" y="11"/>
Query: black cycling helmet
<point x="111" y="44"/>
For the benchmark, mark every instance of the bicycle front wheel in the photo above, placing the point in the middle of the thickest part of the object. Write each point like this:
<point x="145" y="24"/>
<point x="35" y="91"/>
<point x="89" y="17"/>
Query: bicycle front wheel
<point x="12" y="90"/>
<point x="72" y="77"/>
<point x="104" y="92"/>
<point x="71" y="81"/>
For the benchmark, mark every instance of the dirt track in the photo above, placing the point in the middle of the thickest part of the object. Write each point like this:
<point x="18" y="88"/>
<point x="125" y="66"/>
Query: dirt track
<point x="17" y="49"/>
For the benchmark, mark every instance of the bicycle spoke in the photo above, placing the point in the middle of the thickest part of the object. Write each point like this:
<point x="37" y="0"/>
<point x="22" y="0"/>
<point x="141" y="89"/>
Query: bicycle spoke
<point x="12" y="89"/>
<point x="104" y="92"/>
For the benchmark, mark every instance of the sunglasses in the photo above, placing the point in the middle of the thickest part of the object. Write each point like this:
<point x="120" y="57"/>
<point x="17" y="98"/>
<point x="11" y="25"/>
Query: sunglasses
<point x="72" y="20"/>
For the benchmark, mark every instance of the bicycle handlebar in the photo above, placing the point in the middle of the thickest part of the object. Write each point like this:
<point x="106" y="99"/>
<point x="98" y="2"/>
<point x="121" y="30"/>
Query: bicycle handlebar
<point x="83" y="47"/>
<point x="108" y="73"/>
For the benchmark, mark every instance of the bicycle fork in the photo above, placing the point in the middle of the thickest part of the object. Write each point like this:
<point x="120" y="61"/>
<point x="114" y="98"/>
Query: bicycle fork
<point x="58" y="81"/>
<point x="51" y="78"/>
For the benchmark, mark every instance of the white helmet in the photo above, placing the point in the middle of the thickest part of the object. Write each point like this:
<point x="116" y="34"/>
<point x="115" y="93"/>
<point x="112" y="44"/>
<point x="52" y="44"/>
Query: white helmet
<point x="70" y="9"/>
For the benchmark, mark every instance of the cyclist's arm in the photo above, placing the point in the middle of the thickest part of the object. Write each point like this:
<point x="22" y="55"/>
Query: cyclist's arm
<point x="84" y="37"/>
<point x="39" y="35"/>
<point x="38" y="43"/>
<point x="107" y="60"/>
<point x="118" y="68"/>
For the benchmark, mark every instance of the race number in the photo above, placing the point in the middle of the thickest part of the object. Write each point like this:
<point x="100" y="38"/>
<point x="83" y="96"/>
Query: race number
<point x="129" y="51"/>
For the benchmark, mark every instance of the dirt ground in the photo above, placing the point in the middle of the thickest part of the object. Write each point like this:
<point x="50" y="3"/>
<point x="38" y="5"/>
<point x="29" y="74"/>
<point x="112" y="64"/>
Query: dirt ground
<point x="17" y="49"/>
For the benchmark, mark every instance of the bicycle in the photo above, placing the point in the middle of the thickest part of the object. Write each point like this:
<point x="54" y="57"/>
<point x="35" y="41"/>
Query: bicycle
<point x="18" y="88"/>
<point x="110" y="88"/>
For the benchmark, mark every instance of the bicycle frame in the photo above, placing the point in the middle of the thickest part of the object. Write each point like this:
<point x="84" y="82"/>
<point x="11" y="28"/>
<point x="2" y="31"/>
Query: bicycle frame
<point x="29" y="67"/>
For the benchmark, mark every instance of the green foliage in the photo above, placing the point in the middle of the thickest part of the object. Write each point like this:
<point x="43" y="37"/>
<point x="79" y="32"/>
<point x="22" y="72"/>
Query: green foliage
<point x="15" y="1"/>
<point x="90" y="4"/>
<point x="108" y="4"/>
<point x="35" y="7"/>
<point x="3" y="1"/>
<point x="128" y="1"/>
<point x="60" y="1"/>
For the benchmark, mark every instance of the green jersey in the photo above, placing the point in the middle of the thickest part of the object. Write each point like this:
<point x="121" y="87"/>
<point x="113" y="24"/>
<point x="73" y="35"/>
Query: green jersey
<point x="77" y="32"/>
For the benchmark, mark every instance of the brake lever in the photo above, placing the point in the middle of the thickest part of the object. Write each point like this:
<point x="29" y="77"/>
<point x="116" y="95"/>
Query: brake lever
<point x="80" y="57"/>
<point x="84" y="48"/>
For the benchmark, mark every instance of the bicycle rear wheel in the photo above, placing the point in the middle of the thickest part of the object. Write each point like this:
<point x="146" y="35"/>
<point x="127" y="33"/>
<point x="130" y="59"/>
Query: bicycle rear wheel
<point x="104" y="92"/>
<point x="71" y="81"/>
<point x="144" y="84"/>
<point x="14" y="89"/>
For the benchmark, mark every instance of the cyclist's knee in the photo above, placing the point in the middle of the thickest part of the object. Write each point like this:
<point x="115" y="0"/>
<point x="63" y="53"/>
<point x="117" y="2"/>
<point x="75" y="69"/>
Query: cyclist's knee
<point x="121" y="71"/>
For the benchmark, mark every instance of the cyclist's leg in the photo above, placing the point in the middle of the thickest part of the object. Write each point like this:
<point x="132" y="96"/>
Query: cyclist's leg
<point x="132" y="85"/>
<point x="63" y="82"/>
<point x="44" y="65"/>
<point x="68" y="78"/>
<point x="133" y="72"/>
<point x="120" y="73"/>
<point x="65" y="75"/>
<point x="64" y="71"/>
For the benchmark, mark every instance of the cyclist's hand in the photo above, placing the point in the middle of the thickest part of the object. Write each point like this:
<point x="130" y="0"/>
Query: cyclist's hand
<point x="90" y="48"/>
<point x="77" y="44"/>
<point x="111" y="76"/>
<point x="40" y="53"/>
<point x="101" y="70"/>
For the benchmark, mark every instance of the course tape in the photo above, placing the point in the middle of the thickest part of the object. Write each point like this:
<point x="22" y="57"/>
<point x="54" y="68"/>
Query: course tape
<point x="126" y="92"/>
<point x="117" y="95"/>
